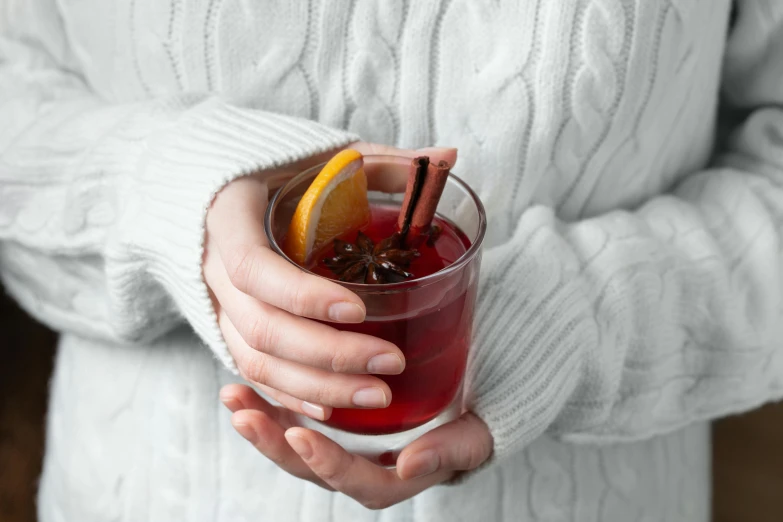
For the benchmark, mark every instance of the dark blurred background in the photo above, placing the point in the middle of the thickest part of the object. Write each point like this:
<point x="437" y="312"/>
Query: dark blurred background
<point x="748" y="466"/>
<point x="26" y="351"/>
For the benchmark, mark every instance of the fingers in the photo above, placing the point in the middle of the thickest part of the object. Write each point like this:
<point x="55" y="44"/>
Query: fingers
<point x="436" y="154"/>
<point x="280" y="334"/>
<point x="373" y="486"/>
<point x="235" y="226"/>
<point x="457" y="446"/>
<point x="235" y="230"/>
<point x="393" y="177"/>
<point x="314" y="411"/>
<point x="257" y="271"/>
<point x="461" y="445"/>
<point x="258" y="425"/>
<point x="267" y="437"/>
<point x="240" y="397"/>
<point x="305" y="383"/>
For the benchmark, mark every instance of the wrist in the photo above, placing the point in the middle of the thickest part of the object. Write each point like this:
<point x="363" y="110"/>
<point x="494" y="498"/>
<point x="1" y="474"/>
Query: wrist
<point x="176" y="182"/>
<point x="528" y="358"/>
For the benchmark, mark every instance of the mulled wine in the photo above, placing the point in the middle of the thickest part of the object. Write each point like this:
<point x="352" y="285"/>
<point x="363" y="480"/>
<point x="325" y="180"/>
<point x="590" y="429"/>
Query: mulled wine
<point x="413" y="259"/>
<point x="435" y="344"/>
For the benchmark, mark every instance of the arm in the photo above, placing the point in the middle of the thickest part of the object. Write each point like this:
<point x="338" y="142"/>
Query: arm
<point x="102" y="205"/>
<point x="613" y="328"/>
<point x="637" y="323"/>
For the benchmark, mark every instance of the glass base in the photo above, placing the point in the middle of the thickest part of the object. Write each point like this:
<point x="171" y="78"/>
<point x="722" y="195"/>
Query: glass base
<point x="382" y="450"/>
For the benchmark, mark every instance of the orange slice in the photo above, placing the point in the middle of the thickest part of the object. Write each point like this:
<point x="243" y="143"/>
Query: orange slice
<point x="334" y="204"/>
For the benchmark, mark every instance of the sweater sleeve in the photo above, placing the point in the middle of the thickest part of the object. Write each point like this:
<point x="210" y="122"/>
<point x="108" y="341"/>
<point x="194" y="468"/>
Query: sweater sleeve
<point x="102" y="206"/>
<point x="632" y="324"/>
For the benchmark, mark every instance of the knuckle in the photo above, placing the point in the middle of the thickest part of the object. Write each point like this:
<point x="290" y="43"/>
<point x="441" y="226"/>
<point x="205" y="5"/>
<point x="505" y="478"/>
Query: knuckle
<point x="260" y="332"/>
<point x="298" y="296"/>
<point x="258" y="368"/>
<point x="340" y="361"/>
<point x="474" y="457"/>
<point x="252" y="330"/>
<point x="333" y="475"/>
<point x="240" y="266"/>
<point x="277" y="458"/>
<point x="242" y="367"/>
<point x="303" y="475"/>
<point x="471" y="453"/>
<point x="243" y="373"/>
<point x="322" y="393"/>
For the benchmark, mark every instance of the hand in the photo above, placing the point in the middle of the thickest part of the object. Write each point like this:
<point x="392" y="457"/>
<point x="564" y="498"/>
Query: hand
<point x="434" y="458"/>
<point x="265" y="307"/>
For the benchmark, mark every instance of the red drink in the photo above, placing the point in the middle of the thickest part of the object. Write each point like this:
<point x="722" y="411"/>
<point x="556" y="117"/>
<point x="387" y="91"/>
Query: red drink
<point x="435" y="343"/>
<point x="422" y="303"/>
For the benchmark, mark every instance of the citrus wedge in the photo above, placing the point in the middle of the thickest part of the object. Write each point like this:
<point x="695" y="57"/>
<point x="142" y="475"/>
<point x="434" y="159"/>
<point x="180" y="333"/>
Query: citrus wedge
<point x="334" y="204"/>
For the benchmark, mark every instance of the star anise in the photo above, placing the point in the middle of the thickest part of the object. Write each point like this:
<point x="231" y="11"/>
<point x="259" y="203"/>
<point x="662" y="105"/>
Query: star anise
<point x="367" y="262"/>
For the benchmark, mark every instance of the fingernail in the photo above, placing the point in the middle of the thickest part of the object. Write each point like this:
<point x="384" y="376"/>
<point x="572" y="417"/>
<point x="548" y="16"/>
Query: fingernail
<point x="246" y="431"/>
<point x="369" y="398"/>
<point x="300" y="445"/>
<point x="345" y="312"/>
<point x="313" y="410"/>
<point x="231" y="404"/>
<point x="422" y="463"/>
<point x="385" y="364"/>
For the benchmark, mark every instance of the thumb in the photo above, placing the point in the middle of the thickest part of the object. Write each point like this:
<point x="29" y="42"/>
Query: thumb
<point x="460" y="445"/>
<point x="437" y="154"/>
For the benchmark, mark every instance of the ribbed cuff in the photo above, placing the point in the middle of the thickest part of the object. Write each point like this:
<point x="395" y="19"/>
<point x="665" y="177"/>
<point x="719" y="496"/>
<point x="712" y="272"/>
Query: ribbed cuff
<point x="181" y="170"/>
<point x="532" y="330"/>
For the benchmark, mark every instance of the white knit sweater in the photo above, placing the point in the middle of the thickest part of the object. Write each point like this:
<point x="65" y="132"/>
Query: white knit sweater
<point x="632" y="283"/>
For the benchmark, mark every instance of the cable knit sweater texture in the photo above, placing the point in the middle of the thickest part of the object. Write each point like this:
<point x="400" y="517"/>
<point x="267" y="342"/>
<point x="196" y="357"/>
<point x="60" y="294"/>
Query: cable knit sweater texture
<point x="632" y="284"/>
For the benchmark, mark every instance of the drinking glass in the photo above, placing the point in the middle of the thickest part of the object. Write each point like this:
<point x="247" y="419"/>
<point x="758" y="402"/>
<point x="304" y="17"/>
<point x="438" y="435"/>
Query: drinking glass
<point x="429" y="318"/>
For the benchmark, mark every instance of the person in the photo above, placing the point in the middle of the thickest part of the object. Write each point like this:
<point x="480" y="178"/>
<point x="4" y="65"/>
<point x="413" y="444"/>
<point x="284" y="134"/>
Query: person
<point x="630" y="157"/>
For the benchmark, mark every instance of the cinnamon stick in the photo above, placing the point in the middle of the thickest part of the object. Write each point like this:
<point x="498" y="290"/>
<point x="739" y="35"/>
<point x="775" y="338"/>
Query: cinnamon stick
<point x="418" y="173"/>
<point x="422" y="194"/>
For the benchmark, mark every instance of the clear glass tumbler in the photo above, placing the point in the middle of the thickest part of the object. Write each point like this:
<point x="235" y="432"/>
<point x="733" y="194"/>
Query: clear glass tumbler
<point x="430" y="318"/>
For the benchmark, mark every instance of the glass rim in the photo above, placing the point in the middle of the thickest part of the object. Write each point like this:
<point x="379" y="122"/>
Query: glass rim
<point x="419" y="282"/>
